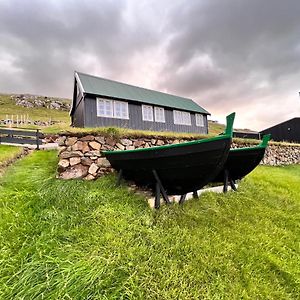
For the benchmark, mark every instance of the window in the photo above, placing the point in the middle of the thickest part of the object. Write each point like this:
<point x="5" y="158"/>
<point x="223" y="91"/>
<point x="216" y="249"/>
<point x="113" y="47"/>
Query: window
<point x="120" y="110"/>
<point x="199" y="120"/>
<point x="147" y="113"/>
<point x="159" y="114"/>
<point x="112" y="109"/>
<point x="182" y="117"/>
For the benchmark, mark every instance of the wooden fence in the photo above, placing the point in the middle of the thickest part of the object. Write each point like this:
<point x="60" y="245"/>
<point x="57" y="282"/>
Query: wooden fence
<point x="21" y="136"/>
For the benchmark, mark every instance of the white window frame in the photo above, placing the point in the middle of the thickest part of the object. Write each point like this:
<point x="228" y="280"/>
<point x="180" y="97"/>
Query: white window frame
<point x="113" y="104"/>
<point x="146" y="114"/>
<point x="124" y="114"/>
<point x="199" y="120"/>
<point x="159" y="114"/>
<point x="182" y="117"/>
<point x="105" y="111"/>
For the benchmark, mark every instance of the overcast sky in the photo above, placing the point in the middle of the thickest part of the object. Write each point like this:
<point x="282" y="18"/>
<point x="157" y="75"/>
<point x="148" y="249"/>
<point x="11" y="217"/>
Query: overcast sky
<point x="227" y="55"/>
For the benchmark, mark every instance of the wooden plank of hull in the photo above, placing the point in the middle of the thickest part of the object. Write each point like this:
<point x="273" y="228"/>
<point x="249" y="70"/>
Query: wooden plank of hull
<point x="181" y="170"/>
<point x="241" y="163"/>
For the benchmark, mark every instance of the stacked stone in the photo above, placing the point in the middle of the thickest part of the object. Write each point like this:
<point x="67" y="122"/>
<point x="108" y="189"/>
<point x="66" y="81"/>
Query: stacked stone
<point x="281" y="155"/>
<point x="81" y="157"/>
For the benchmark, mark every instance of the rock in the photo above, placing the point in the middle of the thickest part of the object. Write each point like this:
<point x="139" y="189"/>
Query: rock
<point x="77" y="171"/>
<point x="86" y="161"/>
<point x="74" y="161"/>
<point x="93" y="169"/>
<point x="103" y="162"/>
<point x="92" y="153"/>
<point x="126" y="142"/>
<point x="89" y="177"/>
<point x="69" y="154"/>
<point x="61" y="141"/>
<point x="95" y="145"/>
<point x="100" y="139"/>
<point x="87" y="138"/>
<point x="138" y="144"/>
<point x="110" y="142"/>
<point x="153" y="141"/>
<point x="61" y="149"/>
<point x="160" y="143"/>
<point x="54" y="105"/>
<point x="120" y="146"/>
<point x="63" y="163"/>
<point x="70" y="141"/>
<point x="130" y="148"/>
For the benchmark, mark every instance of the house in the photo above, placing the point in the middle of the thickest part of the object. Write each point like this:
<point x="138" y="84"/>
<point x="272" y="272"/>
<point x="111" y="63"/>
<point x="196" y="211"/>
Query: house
<point x="286" y="131"/>
<point x="99" y="102"/>
<point x="246" y="134"/>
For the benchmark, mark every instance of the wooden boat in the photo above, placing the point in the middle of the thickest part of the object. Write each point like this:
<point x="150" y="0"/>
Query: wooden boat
<point x="174" y="169"/>
<point x="240" y="162"/>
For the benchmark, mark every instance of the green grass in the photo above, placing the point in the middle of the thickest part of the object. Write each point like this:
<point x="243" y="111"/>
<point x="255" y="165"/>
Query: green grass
<point x="90" y="240"/>
<point x="8" y="152"/>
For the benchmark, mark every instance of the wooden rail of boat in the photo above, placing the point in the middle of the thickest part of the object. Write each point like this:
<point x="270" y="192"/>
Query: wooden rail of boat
<point x="174" y="169"/>
<point x="240" y="162"/>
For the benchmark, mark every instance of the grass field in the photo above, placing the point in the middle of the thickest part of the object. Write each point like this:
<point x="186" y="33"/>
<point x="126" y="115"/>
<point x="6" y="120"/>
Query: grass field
<point x="8" y="152"/>
<point x="90" y="240"/>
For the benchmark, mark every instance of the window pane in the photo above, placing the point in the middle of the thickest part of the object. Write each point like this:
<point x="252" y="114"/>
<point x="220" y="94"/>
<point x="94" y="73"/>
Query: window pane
<point x="199" y="120"/>
<point x="147" y="113"/>
<point x="159" y="113"/>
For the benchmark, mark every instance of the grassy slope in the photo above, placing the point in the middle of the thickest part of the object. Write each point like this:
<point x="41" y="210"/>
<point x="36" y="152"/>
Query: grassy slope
<point x="8" y="152"/>
<point x="90" y="240"/>
<point x="8" y="107"/>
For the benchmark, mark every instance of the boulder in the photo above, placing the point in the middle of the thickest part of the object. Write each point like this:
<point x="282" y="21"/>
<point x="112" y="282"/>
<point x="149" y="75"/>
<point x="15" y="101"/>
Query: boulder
<point x="126" y="142"/>
<point x="93" y="169"/>
<point x="86" y="161"/>
<point x="77" y="171"/>
<point x="63" y="163"/>
<point x="120" y="146"/>
<point x="95" y="145"/>
<point x="87" y="138"/>
<point x="70" y="141"/>
<point x="103" y="162"/>
<point x="69" y="154"/>
<point x="74" y="161"/>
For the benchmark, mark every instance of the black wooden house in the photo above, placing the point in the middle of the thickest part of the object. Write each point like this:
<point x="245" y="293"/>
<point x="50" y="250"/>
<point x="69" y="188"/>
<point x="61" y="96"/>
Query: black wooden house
<point x="99" y="102"/>
<point x="288" y="131"/>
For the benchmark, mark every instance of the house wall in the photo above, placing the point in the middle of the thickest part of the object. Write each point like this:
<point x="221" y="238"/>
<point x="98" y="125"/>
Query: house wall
<point x="287" y="131"/>
<point x="135" y="120"/>
<point x="78" y="116"/>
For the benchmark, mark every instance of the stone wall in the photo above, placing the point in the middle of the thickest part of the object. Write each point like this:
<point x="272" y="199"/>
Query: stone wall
<point x="80" y="156"/>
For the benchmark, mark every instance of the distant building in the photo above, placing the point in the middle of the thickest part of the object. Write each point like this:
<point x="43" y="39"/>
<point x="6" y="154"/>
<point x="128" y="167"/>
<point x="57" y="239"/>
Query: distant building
<point x="286" y="131"/>
<point x="246" y="134"/>
<point x="99" y="102"/>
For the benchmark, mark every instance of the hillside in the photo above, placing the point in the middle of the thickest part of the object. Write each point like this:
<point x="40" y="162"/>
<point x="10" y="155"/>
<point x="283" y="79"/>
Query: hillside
<point x="33" y="108"/>
<point x="90" y="240"/>
<point x="37" y="108"/>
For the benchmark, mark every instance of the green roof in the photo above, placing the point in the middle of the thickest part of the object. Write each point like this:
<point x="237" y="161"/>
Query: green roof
<point x="109" y="88"/>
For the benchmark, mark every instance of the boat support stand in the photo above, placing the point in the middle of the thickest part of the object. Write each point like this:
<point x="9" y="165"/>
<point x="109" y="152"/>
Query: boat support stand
<point x="228" y="181"/>
<point x="119" y="179"/>
<point x="159" y="190"/>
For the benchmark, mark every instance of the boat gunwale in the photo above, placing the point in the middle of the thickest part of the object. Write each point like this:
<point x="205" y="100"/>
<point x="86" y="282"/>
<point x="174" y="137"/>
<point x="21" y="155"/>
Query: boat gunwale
<point x="262" y="145"/>
<point x="225" y="136"/>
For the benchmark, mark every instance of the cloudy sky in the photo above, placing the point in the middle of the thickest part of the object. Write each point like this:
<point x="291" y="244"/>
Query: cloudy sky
<point x="227" y="55"/>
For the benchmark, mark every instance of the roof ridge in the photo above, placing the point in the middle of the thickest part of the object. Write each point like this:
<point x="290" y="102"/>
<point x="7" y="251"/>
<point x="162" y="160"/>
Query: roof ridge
<point x="98" y="77"/>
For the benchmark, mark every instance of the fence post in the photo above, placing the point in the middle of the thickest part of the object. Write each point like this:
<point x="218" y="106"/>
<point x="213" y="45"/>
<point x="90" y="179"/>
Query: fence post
<point x="37" y="140"/>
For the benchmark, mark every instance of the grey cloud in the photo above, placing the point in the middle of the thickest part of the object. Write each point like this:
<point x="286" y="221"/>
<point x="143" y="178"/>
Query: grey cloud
<point x="227" y="55"/>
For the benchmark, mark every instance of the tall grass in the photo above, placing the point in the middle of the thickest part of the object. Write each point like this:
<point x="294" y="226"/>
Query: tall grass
<point x="90" y="240"/>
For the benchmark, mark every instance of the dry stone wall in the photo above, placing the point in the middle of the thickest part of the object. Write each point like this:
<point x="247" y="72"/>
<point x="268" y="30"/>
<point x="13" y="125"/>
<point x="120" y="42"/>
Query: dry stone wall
<point x="81" y="156"/>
